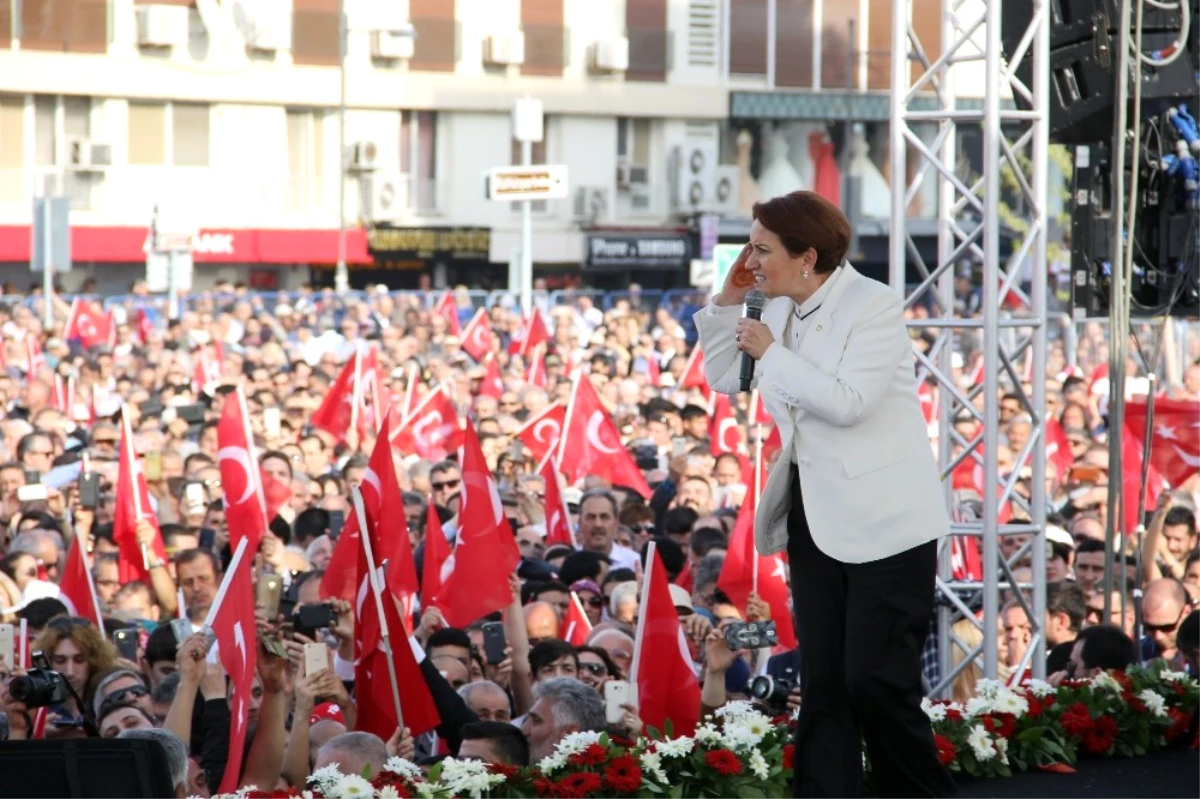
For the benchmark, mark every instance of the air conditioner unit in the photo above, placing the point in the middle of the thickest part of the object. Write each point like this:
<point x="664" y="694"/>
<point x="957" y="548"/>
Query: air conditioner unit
<point x="695" y="168"/>
<point x="632" y="174"/>
<point x="363" y="155"/>
<point x="590" y="204"/>
<point x="162" y="26"/>
<point x="503" y="49"/>
<point x="725" y="191"/>
<point x="640" y="199"/>
<point x="386" y="197"/>
<point x="83" y="154"/>
<point x="611" y="55"/>
<point x="391" y="45"/>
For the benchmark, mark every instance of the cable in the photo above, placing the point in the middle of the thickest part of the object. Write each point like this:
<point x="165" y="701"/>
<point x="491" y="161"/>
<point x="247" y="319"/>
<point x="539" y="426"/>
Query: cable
<point x="1177" y="47"/>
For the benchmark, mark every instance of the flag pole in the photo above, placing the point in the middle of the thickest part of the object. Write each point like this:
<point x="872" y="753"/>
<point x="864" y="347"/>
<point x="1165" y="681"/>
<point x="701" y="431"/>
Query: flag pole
<point x="127" y="437"/>
<point x="87" y="570"/>
<point x="357" y="394"/>
<point x="757" y="487"/>
<point x="651" y="554"/>
<point x="409" y="390"/>
<point x="234" y="563"/>
<point x="562" y="442"/>
<point x="376" y="590"/>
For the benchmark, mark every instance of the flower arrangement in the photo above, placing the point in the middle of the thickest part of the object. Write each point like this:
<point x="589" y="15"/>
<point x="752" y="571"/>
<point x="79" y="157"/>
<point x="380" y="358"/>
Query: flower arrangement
<point x="739" y="751"/>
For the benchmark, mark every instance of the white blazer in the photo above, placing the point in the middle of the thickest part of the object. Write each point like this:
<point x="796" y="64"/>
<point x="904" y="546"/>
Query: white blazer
<point x="869" y="481"/>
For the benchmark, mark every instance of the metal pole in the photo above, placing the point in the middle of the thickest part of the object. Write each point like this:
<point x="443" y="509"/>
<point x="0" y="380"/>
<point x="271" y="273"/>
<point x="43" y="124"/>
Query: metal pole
<point x="47" y="264"/>
<point x="341" y="281"/>
<point x="772" y="16"/>
<point x="172" y="285"/>
<point x="1118" y="320"/>
<point x="850" y="201"/>
<point x="526" y="269"/>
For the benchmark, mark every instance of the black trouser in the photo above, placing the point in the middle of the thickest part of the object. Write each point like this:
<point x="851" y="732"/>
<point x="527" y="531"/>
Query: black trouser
<point x="862" y="627"/>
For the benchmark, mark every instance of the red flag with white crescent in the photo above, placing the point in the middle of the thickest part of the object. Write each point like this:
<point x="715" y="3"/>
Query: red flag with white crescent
<point x="723" y="431"/>
<point x="591" y="445"/>
<point x="232" y="621"/>
<point x="576" y="627"/>
<point x="667" y="688"/>
<point x="477" y="336"/>
<point x="558" y="515"/>
<point x="432" y="430"/>
<point x="693" y="372"/>
<point x="132" y="504"/>
<point x="542" y="432"/>
<point x="448" y="310"/>
<point x="241" y="481"/>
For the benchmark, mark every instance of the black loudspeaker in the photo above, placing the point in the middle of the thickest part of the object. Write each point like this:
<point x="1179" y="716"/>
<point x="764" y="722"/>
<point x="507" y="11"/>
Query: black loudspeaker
<point x="84" y="768"/>
<point x="1083" y="60"/>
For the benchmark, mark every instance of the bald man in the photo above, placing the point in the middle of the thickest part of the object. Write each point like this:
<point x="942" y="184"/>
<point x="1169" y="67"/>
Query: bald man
<point x="322" y="733"/>
<point x="541" y="621"/>
<point x="353" y="753"/>
<point x="452" y="670"/>
<point x="1163" y="608"/>
<point x="617" y="644"/>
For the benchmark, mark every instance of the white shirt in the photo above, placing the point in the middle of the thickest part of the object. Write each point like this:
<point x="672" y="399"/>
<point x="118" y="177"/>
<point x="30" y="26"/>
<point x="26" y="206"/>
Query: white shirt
<point x="622" y="557"/>
<point x="799" y="323"/>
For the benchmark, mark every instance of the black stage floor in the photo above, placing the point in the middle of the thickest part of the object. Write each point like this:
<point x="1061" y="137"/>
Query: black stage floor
<point x="1170" y="773"/>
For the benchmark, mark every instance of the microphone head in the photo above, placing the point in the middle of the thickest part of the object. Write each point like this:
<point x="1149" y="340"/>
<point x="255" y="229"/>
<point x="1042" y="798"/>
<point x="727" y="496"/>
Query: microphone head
<point x="755" y="299"/>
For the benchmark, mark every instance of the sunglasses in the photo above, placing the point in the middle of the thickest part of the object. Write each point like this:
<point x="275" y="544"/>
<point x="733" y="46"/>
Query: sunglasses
<point x="594" y="601"/>
<point x="68" y="622"/>
<point x="1163" y="628"/>
<point x="126" y="694"/>
<point x="595" y="669"/>
<point x="449" y="484"/>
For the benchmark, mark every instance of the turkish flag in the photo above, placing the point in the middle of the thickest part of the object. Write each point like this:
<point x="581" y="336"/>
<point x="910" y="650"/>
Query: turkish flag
<point x="432" y="430"/>
<point x="542" y="432"/>
<point x="723" y="431"/>
<point x="76" y="588"/>
<point x="340" y="580"/>
<point x="758" y="410"/>
<point x="337" y="413"/>
<point x="275" y="493"/>
<point x="533" y="334"/>
<point x="493" y="383"/>
<point x="376" y="702"/>
<point x="63" y="398"/>
<point x="928" y="395"/>
<point x="667" y="688"/>
<point x="411" y="397"/>
<point x="693" y="372"/>
<point x="35" y="361"/>
<point x="370" y="396"/>
<point x="389" y="532"/>
<point x="448" y="310"/>
<point x="207" y="366"/>
<point x="232" y="621"/>
<point x="1058" y="448"/>
<point x="477" y="336"/>
<point x="964" y="558"/>
<point x="535" y="368"/>
<point x="486" y="552"/>
<point x="558" y="516"/>
<point x="241" y="481"/>
<point x="591" y="445"/>
<point x="653" y="370"/>
<point x="143" y="325"/>
<point x="772" y="445"/>
<point x="1131" y="472"/>
<point x="1175" y="445"/>
<point x="132" y="504"/>
<point x="87" y="324"/>
<point x="576" y="627"/>
<point x="737" y="575"/>
<point x="437" y="553"/>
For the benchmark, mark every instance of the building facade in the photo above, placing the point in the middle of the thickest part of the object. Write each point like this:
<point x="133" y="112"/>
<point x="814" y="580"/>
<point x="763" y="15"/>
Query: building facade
<point x="220" y="118"/>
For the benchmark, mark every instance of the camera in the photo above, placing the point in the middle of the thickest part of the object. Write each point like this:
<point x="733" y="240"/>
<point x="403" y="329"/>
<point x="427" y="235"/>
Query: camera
<point x="646" y="456"/>
<point x="751" y="635"/>
<point x="772" y="692"/>
<point x="40" y="686"/>
<point x="310" y="618"/>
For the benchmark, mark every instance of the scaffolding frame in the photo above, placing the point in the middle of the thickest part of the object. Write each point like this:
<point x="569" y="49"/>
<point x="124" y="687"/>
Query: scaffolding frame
<point x="969" y="230"/>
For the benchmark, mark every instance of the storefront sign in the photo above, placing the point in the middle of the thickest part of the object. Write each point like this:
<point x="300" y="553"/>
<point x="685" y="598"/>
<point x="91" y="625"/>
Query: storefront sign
<point x="637" y="251"/>
<point x="448" y="243"/>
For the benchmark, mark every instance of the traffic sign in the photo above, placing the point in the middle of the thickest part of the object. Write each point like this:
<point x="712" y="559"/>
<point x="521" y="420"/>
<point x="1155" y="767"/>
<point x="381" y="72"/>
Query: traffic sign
<point x="536" y="182"/>
<point x="723" y="257"/>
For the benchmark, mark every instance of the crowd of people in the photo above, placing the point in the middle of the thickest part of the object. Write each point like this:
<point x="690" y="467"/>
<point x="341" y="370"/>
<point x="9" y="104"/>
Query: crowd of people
<point x="66" y="409"/>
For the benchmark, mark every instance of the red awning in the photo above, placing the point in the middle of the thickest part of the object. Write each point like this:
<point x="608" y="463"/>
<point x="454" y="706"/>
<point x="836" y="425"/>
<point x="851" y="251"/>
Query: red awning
<point x="243" y="246"/>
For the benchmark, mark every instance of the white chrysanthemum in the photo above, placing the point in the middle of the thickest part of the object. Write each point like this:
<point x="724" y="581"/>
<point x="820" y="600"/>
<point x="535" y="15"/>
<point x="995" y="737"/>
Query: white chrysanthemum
<point x="740" y="737"/>
<point x="405" y="768"/>
<point x="468" y="777"/>
<point x="651" y="763"/>
<point x="352" y="786"/>
<point x="426" y="791"/>
<point x="736" y="710"/>
<point x="977" y="706"/>
<point x="306" y="795"/>
<point x="1040" y="688"/>
<point x="935" y="712"/>
<point x="1002" y="749"/>
<point x="1104" y="682"/>
<point x="326" y="778"/>
<point x="1011" y="702"/>
<point x="1174" y="676"/>
<point x="552" y="762"/>
<point x="575" y="742"/>
<point x="388" y="792"/>
<point x="676" y="747"/>
<point x="981" y="743"/>
<point x="707" y="734"/>
<point x="758" y="765"/>
<point x="1154" y="703"/>
<point x="245" y="789"/>
<point x="989" y="688"/>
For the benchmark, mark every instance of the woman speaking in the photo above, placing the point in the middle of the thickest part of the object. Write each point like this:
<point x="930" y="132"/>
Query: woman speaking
<point x="854" y="498"/>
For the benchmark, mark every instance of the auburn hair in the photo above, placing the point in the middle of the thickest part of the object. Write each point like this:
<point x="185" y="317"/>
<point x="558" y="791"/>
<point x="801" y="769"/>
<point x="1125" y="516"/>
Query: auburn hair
<point x="805" y="220"/>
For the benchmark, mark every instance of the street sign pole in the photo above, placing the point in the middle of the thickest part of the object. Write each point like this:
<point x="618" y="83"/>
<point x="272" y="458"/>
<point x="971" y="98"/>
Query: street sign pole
<point x="526" y="236"/>
<point x="47" y="265"/>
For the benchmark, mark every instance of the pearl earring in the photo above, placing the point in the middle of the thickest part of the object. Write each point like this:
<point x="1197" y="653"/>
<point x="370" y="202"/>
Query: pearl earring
<point x="804" y="274"/>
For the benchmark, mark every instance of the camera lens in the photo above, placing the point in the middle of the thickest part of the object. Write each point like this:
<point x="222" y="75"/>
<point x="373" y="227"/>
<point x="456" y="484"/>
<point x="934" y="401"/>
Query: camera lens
<point x="33" y="689"/>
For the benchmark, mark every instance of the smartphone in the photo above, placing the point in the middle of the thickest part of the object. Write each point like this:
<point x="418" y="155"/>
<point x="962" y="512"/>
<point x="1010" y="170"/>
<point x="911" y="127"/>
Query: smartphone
<point x="208" y="538"/>
<point x="182" y="629"/>
<point x="316" y="658"/>
<point x="193" y="498"/>
<point x="32" y="476"/>
<point x="32" y="493"/>
<point x="751" y="635"/>
<point x="494" y="642"/>
<point x="151" y="407"/>
<point x="192" y="414"/>
<point x="271" y="422"/>
<point x="309" y="620"/>
<point x="616" y="693"/>
<point x="126" y="642"/>
<point x="336" y="520"/>
<point x="270" y="590"/>
<point x="152" y="466"/>
<point x="1085" y="474"/>
<point x="7" y="647"/>
<point x="89" y="490"/>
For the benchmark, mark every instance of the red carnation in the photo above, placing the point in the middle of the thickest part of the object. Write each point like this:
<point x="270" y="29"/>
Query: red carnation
<point x="593" y="755"/>
<point x="1182" y="721"/>
<point x="623" y="774"/>
<point x="953" y="713"/>
<point x="503" y="769"/>
<point x="723" y="762"/>
<point x="946" y="750"/>
<point x="1076" y="720"/>
<point x="1002" y="724"/>
<point x="543" y="786"/>
<point x="789" y="755"/>
<point x="1100" y="739"/>
<point x="579" y="784"/>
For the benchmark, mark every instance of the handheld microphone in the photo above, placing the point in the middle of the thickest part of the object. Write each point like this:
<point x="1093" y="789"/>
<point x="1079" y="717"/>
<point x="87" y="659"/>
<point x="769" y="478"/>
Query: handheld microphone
<point x="755" y="300"/>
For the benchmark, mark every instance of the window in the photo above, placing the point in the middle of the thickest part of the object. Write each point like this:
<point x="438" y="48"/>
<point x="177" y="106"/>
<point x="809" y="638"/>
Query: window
<point x="45" y="129"/>
<point x="305" y="163"/>
<point x="12" y="131"/>
<point x="633" y="140"/>
<point x="418" y="158"/>
<point x="147" y="134"/>
<point x="189" y="134"/>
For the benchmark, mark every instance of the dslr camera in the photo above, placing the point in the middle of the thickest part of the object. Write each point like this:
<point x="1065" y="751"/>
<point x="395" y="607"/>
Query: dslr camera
<point x="771" y="691"/>
<point x="41" y="686"/>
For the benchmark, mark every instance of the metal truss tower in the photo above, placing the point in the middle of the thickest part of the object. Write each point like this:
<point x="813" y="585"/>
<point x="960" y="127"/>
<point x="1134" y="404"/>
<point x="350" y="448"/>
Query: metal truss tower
<point x="1014" y="159"/>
